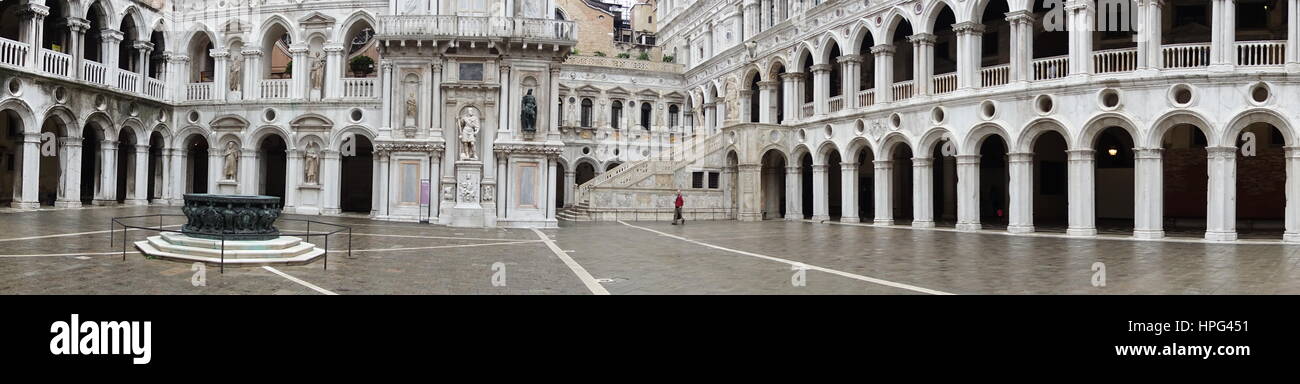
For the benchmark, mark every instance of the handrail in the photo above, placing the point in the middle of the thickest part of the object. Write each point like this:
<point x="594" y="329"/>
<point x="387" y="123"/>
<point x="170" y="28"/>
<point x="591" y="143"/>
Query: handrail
<point x="116" y="221"/>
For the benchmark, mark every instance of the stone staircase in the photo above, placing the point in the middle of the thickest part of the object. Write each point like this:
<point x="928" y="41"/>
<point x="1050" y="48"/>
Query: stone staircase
<point x="633" y="175"/>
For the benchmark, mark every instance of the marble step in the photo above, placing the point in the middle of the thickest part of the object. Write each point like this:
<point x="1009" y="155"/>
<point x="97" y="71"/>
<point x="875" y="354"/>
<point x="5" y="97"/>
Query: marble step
<point x="161" y="244"/>
<point x="305" y="258"/>
<point x="282" y="242"/>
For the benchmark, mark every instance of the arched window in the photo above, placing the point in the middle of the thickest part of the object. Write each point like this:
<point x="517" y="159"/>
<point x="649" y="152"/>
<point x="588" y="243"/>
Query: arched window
<point x="673" y="119"/>
<point x="645" y="116"/>
<point x="586" y="112"/>
<point x="559" y="112"/>
<point x="615" y="113"/>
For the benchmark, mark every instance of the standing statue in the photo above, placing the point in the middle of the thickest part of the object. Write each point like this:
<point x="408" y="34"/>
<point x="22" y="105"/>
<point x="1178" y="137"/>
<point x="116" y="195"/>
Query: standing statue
<point x="317" y="71"/>
<point x="236" y="66"/>
<point x="231" y="169"/>
<point x="469" y="126"/>
<point x="311" y="164"/>
<point x="529" y="118"/>
<point x="412" y="110"/>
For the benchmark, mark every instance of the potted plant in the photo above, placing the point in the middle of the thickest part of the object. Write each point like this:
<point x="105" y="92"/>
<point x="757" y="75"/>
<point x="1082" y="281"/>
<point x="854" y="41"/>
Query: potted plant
<point x="624" y="55"/>
<point x="644" y="56"/>
<point x="362" y="66"/>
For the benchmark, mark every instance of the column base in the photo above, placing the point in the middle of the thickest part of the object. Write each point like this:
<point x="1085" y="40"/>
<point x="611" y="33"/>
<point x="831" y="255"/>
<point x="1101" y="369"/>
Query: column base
<point x="968" y="226"/>
<point x="1020" y="228"/>
<point x="793" y="216"/>
<point x="1149" y="234"/>
<point x="922" y="224"/>
<point x="67" y="204"/>
<point x="25" y="204"/>
<point x="750" y="217"/>
<point x="135" y="202"/>
<point x="1081" y="232"/>
<point x="881" y="221"/>
<point x="1291" y="237"/>
<point x="331" y="211"/>
<point x="850" y="220"/>
<point x="1221" y="235"/>
<point x="104" y="203"/>
<point x="1293" y="67"/>
<point x="821" y="217"/>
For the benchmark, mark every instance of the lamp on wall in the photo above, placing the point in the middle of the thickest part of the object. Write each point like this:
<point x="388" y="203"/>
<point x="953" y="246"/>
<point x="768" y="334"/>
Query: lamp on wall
<point x="1113" y="151"/>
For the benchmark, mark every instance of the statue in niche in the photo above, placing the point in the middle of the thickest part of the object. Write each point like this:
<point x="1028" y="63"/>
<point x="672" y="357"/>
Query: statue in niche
<point x="317" y="71"/>
<point x="311" y="164"/>
<point x="469" y="127"/>
<point x="529" y="118"/>
<point x="236" y="68"/>
<point x="231" y="169"/>
<point x="412" y="109"/>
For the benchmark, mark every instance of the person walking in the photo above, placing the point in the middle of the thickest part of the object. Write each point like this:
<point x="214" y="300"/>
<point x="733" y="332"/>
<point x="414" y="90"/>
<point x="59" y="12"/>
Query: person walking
<point x="677" y="210"/>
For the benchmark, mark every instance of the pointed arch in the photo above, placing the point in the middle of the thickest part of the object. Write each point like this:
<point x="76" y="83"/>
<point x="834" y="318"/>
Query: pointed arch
<point x="932" y="12"/>
<point x="860" y="34"/>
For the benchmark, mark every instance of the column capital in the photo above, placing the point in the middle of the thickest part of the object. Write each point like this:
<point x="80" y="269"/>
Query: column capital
<point x="923" y="38"/>
<point x="883" y="164"/>
<point x="848" y="167"/>
<point x="922" y="162"/>
<point x="110" y="35"/>
<point x="39" y="11"/>
<point x="333" y="48"/>
<point x="1221" y="152"/>
<point x="78" y="25"/>
<point x="143" y="46"/>
<point x="882" y="49"/>
<point x="1086" y="154"/>
<point x="1020" y="157"/>
<point x="968" y="159"/>
<point x="792" y="76"/>
<point x="1020" y="17"/>
<point x="819" y="168"/>
<point x="1147" y="153"/>
<point x="793" y="170"/>
<point x="819" y="68"/>
<point x="218" y="53"/>
<point x="768" y="84"/>
<point x="298" y="48"/>
<point x="70" y="142"/>
<point x="251" y="51"/>
<point x="849" y="59"/>
<point x="177" y="58"/>
<point x="968" y="27"/>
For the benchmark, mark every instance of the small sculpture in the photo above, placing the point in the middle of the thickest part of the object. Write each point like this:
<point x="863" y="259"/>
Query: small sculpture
<point x="236" y="67"/>
<point x="311" y="163"/>
<point x="232" y="161"/>
<point x="469" y="127"/>
<point x="317" y="71"/>
<point x="412" y="109"/>
<point x="529" y="118"/>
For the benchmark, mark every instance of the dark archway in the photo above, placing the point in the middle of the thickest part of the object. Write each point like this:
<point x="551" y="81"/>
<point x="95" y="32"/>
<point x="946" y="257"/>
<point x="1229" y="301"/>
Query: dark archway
<point x="902" y="184"/>
<point x="272" y="163"/>
<point x="50" y="171"/>
<point x="773" y="179"/>
<point x="1186" y="180"/>
<point x="1261" y="184"/>
<point x="1050" y="190"/>
<point x="806" y="190"/>
<point x="11" y="151"/>
<point x="834" y="186"/>
<point x="944" y="179"/>
<point x="126" y="142"/>
<point x="559" y="184"/>
<point x="584" y="173"/>
<point x="92" y="140"/>
<point x="156" y="173"/>
<point x="995" y="196"/>
<point x="357" y="172"/>
<point x="1113" y="180"/>
<point x="196" y="164"/>
<point x="866" y="185"/>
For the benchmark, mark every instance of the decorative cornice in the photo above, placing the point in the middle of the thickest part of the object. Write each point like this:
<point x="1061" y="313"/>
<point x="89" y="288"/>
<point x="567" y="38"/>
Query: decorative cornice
<point x="425" y="147"/>
<point x="529" y="149"/>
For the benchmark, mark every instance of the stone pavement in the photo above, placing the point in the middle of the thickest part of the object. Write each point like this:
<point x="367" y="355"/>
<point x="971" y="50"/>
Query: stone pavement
<point x="68" y="252"/>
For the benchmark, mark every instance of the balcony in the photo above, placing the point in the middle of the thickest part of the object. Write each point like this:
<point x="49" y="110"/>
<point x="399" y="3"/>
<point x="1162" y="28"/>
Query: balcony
<point x="632" y="64"/>
<point x="470" y="27"/>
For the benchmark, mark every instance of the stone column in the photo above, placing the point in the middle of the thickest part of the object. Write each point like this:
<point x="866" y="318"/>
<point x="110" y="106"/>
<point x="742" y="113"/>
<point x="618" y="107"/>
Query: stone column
<point x="969" y="52"/>
<point x="386" y="80"/>
<point x="70" y="178"/>
<point x="884" y="54"/>
<point x="143" y="48"/>
<point x="1221" y="210"/>
<point x="851" y="78"/>
<point x="821" y="209"/>
<point x="750" y="10"/>
<point x="767" y="101"/>
<point x="107" y="188"/>
<point x="253" y="75"/>
<point x="1149" y="34"/>
<point x="138" y="191"/>
<point x="923" y="64"/>
<point x="77" y="28"/>
<point x="1079" y="15"/>
<point x="1021" y="209"/>
<point x="331" y="176"/>
<point x="178" y="171"/>
<point x="750" y="176"/>
<point x="32" y="17"/>
<point x="301" y="71"/>
<point x="334" y="72"/>
<point x="214" y="168"/>
<point x="849" y="192"/>
<point x="220" y="84"/>
<point x="1292" y="233"/>
<point x="790" y="80"/>
<point x="1022" y="46"/>
<point x="710" y="118"/>
<point x="793" y="193"/>
<point x="765" y="16"/>
<point x="29" y="196"/>
<point x="504" y="100"/>
<point x="746" y="114"/>
<point x="884" y="184"/>
<point x="821" y="89"/>
<point x="249" y="175"/>
<point x="435" y="113"/>
<point x="570" y="184"/>
<point x="1148" y="189"/>
<point x="554" y="129"/>
<point x="1082" y="215"/>
<point x="1223" y="32"/>
<point x="293" y="175"/>
<point x="1293" y="36"/>
<point x="922" y="192"/>
<point x="968" y="192"/>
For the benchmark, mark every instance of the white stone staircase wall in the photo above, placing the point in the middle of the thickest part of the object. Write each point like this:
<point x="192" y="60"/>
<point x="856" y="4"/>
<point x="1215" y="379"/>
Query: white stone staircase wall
<point x="646" y="189"/>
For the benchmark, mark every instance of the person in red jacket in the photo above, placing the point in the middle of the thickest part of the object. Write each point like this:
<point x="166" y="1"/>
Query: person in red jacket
<point x="677" y="210"/>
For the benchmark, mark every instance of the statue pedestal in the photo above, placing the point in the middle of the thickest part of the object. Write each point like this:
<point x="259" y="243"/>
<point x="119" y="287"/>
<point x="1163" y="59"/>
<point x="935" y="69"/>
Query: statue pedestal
<point x="315" y="95"/>
<point x="234" y="96"/>
<point x="468" y="211"/>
